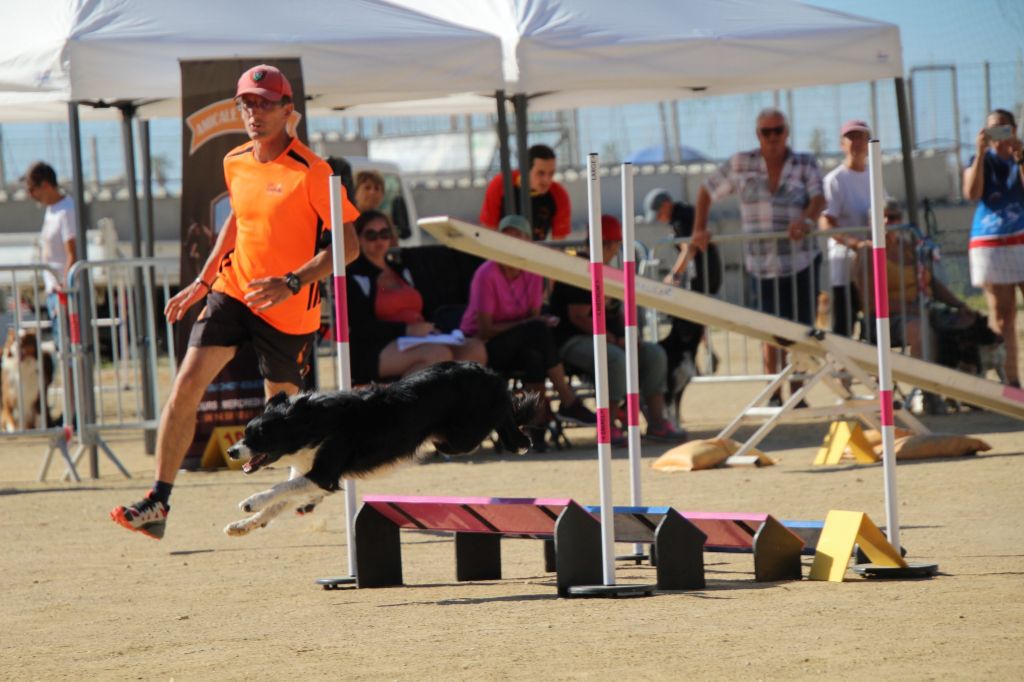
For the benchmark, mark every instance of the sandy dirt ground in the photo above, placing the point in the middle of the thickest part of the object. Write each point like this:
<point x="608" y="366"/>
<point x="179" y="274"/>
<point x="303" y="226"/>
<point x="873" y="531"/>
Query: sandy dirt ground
<point x="84" y="599"/>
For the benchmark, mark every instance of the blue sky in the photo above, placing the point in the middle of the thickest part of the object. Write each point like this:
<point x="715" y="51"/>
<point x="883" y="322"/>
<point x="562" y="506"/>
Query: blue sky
<point x="943" y="31"/>
<point x="964" y="32"/>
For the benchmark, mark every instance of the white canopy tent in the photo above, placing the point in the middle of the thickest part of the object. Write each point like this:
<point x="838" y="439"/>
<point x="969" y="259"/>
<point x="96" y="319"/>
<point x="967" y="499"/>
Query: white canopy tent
<point x="352" y="51"/>
<point x="571" y="53"/>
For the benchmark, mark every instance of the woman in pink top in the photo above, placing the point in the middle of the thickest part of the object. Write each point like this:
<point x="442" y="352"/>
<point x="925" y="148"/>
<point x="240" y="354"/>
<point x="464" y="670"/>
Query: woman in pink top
<point x="504" y="311"/>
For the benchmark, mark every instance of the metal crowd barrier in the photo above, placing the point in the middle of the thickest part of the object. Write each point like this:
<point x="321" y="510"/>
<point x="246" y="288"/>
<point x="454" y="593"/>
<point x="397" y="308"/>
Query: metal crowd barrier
<point x="23" y="313"/>
<point x="728" y="357"/>
<point x="121" y="374"/>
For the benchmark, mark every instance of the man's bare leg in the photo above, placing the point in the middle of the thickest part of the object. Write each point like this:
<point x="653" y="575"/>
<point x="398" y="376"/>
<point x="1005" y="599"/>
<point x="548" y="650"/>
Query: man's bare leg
<point x="178" y="421"/>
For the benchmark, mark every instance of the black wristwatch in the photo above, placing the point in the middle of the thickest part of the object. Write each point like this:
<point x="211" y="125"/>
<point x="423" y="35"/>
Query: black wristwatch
<point x="291" y="280"/>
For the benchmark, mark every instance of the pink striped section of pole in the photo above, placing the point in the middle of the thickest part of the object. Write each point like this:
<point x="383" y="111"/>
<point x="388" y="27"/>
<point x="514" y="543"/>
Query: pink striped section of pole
<point x="604" y="434"/>
<point x="341" y="347"/>
<point x="632" y="338"/>
<point x="885" y="385"/>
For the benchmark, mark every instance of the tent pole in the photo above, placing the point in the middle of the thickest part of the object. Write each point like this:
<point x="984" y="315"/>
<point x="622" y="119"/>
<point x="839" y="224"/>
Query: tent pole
<point x="148" y="245"/>
<point x="906" y="144"/>
<point x="87" y="415"/>
<point x="141" y="304"/>
<point x="503" y="153"/>
<point x="520" y="104"/>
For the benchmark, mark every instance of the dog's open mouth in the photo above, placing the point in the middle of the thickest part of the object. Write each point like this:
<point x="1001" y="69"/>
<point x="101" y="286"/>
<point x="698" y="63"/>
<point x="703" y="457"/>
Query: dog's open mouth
<point x="254" y="463"/>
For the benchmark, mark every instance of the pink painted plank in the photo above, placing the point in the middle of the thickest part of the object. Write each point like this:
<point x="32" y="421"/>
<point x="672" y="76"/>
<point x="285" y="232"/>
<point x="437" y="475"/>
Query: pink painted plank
<point x="724" y="530"/>
<point x="471" y="514"/>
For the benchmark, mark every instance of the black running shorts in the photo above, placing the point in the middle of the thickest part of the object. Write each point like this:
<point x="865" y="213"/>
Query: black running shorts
<point x="226" y="321"/>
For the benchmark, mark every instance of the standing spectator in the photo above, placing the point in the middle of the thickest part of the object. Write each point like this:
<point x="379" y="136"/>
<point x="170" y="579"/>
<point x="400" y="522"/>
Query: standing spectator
<point x="369" y="190"/>
<point x="57" y="247"/>
<point x="779" y="191"/>
<point x="705" y="276"/>
<point x="847" y="204"/>
<point x="383" y="305"/>
<point x="996" y="250"/>
<point x="505" y="311"/>
<point x="552" y="209"/>
<point x="260" y="283"/>
<point x="575" y="336"/>
<point x="57" y="236"/>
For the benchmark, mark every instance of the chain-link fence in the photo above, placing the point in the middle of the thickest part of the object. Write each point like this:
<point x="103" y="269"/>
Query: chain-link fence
<point x="706" y="128"/>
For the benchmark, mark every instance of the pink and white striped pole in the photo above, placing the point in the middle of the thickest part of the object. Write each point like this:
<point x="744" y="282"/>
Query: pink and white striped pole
<point x="885" y="385"/>
<point x="604" y="433"/>
<point x="632" y="338"/>
<point x="342" y="349"/>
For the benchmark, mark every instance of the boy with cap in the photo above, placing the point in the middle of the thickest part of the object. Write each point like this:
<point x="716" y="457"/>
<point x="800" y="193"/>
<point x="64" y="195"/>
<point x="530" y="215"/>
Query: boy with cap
<point x="261" y="281"/>
<point x="847" y="204"/>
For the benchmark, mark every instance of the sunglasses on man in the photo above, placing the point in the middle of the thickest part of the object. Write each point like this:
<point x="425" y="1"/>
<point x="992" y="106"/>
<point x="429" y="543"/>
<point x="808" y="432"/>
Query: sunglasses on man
<point x="775" y="130"/>
<point x="260" y="104"/>
<point x="374" y="235"/>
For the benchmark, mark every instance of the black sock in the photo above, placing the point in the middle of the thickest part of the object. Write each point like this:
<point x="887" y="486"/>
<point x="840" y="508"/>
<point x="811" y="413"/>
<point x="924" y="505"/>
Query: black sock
<point x="162" y="491"/>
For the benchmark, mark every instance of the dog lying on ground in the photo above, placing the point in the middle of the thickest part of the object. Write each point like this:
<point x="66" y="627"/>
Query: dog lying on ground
<point x="331" y="436"/>
<point x="20" y="383"/>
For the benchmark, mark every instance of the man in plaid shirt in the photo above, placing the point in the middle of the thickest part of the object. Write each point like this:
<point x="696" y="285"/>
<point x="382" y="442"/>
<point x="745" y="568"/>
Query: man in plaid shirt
<point x="779" y="191"/>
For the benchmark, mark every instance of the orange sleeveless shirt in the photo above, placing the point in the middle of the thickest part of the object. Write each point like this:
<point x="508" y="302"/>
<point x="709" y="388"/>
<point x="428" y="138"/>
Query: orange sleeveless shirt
<point x="282" y="209"/>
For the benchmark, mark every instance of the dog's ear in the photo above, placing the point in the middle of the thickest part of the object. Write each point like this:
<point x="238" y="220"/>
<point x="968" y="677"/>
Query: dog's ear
<point x="280" y="398"/>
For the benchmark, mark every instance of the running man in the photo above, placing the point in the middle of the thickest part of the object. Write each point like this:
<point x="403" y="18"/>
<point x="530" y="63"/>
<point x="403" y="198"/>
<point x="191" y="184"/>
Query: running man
<point x="260" y="281"/>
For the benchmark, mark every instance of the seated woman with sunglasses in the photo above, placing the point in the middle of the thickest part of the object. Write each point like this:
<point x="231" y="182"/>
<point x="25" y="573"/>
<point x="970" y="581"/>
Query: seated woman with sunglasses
<point x="505" y="311"/>
<point x="383" y="305"/>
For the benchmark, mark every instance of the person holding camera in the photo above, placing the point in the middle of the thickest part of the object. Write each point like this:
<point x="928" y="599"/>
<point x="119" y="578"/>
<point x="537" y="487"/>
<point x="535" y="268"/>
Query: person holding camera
<point x="995" y="179"/>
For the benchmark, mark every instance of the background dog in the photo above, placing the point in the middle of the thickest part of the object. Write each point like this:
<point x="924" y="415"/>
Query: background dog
<point x="327" y="437"/>
<point x="20" y="388"/>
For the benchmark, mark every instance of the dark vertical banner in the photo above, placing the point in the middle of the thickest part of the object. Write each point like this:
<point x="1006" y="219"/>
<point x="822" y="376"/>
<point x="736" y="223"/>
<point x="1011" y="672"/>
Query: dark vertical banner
<point x="212" y="126"/>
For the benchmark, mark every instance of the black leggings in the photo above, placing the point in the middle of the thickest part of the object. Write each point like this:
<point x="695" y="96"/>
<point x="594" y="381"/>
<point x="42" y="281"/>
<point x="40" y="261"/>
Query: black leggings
<point x="527" y="348"/>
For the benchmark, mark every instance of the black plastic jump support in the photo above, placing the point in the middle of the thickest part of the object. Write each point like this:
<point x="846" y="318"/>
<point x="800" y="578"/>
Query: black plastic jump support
<point x="378" y="550"/>
<point x="776" y="552"/>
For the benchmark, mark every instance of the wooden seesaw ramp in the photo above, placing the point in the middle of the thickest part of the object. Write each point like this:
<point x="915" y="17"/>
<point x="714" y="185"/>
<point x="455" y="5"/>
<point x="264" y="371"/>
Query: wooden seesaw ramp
<point x="712" y="312"/>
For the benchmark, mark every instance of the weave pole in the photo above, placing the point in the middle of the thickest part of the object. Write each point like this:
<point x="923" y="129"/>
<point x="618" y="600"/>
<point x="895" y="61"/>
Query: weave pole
<point x="344" y="366"/>
<point x="885" y="386"/>
<point x="632" y="341"/>
<point x="604" y="431"/>
<point x="888" y="569"/>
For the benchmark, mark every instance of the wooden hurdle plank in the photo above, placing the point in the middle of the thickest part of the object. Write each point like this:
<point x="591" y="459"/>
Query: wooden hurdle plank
<point x="776" y="548"/>
<point x="478" y="524"/>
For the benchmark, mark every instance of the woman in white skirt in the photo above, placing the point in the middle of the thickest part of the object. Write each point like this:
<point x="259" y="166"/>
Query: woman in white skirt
<point x="994" y="179"/>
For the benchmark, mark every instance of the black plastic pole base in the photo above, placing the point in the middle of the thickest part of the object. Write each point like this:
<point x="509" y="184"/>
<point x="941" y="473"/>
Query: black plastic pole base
<point x="337" y="583"/>
<point x="610" y="591"/>
<point x="911" y="572"/>
<point x="637" y="558"/>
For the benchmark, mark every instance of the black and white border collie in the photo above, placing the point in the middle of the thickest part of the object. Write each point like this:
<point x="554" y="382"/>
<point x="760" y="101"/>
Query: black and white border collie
<point x="331" y="436"/>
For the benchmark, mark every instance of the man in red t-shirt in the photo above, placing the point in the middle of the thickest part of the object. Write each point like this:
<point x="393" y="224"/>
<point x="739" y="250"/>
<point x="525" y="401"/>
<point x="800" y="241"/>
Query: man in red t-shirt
<point x="261" y="281"/>
<point x="552" y="210"/>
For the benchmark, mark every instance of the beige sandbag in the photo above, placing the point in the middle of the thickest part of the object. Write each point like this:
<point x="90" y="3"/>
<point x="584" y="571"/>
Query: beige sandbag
<point x="924" y="446"/>
<point x="703" y="454"/>
<point x="763" y="460"/>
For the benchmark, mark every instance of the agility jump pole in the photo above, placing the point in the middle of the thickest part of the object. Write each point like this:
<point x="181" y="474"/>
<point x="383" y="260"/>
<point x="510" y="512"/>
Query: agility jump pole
<point x="632" y="339"/>
<point x="885" y="385"/>
<point x="713" y="312"/>
<point x="341" y="346"/>
<point x="604" y="434"/>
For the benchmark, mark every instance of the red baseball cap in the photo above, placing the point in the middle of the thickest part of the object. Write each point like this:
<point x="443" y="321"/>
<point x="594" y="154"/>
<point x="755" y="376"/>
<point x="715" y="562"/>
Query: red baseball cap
<point x="611" y="229"/>
<point x="854" y="126"/>
<point x="266" y="81"/>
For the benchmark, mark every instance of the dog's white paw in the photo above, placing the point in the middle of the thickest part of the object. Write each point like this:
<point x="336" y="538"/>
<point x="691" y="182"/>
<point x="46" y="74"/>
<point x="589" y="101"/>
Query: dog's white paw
<point x="257" y="502"/>
<point x="238" y="528"/>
